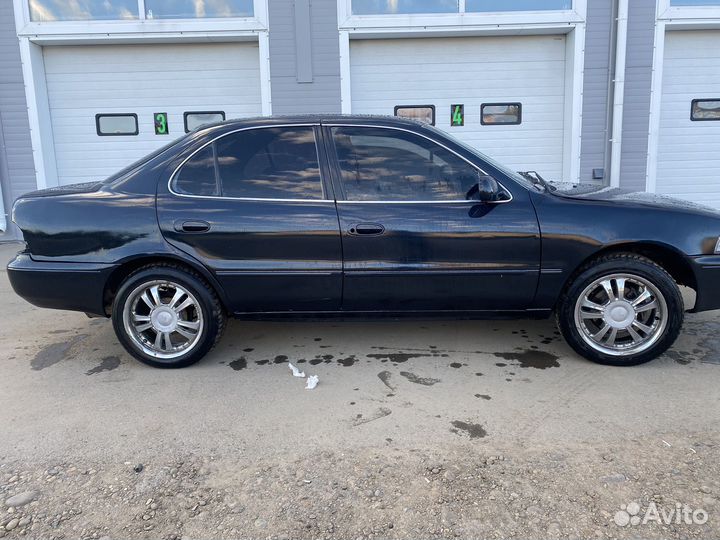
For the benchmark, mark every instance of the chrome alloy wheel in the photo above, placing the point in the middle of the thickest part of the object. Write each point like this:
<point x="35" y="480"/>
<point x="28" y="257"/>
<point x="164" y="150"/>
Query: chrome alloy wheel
<point x="163" y="319"/>
<point x="621" y="314"/>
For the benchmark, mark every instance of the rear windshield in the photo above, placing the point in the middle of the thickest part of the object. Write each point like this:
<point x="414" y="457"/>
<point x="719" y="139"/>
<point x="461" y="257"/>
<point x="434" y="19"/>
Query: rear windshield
<point x="142" y="161"/>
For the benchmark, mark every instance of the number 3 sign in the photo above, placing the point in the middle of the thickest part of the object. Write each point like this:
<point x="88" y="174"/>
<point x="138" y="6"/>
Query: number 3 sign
<point x="161" y="124"/>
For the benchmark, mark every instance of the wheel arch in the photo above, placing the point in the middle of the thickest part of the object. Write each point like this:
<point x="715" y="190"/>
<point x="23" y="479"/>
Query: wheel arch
<point x="116" y="277"/>
<point x="664" y="255"/>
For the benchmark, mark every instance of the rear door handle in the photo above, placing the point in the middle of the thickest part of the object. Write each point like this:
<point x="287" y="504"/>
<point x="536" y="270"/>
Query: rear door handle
<point x="367" y="229"/>
<point x="192" y="226"/>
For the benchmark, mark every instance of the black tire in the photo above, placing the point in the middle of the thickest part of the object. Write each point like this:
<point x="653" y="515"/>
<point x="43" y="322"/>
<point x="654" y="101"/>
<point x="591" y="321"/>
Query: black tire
<point x="620" y="263"/>
<point x="213" y="314"/>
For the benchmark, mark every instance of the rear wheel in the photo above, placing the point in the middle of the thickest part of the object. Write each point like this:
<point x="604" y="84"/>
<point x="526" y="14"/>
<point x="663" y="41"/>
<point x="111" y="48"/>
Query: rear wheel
<point x="166" y="316"/>
<point x="621" y="310"/>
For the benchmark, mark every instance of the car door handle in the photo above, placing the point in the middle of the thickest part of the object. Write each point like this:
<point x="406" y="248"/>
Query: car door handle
<point x="192" y="226"/>
<point x="367" y="229"/>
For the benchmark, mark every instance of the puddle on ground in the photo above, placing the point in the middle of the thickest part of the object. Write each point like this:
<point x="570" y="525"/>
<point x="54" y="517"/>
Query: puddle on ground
<point x="240" y="363"/>
<point x="347" y="362"/>
<point x="708" y="346"/>
<point x="398" y="358"/>
<point x="425" y="381"/>
<point x="54" y="353"/>
<point x="475" y="431"/>
<point x="327" y="358"/>
<point x="382" y="412"/>
<point x="531" y="359"/>
<point x="385" y="378"/>
<point x="681" y="357"/>
<point x="106" y="364"/>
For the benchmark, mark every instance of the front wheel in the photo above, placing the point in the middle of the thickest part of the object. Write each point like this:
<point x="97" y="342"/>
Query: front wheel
<point x="621" y="310"/>
<point x="166" y="316"/>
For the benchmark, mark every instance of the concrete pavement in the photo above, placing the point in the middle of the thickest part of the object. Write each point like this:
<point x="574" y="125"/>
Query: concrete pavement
<point x="425" y="390"/>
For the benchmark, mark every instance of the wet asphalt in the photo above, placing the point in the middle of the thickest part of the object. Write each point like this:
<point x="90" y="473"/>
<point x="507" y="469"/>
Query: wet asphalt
<point x="69" y="389"/>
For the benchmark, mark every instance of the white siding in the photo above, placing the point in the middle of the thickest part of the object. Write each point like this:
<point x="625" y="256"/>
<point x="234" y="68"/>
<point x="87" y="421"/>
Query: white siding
<point x="472" y="71"/>
<point x="689" y="152"/>
<point x="143" y="79"/>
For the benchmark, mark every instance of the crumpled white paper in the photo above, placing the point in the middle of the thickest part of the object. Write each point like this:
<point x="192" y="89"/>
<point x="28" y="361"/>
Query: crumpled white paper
<point x="295" y="371"/>
<point x="312" y="380"/>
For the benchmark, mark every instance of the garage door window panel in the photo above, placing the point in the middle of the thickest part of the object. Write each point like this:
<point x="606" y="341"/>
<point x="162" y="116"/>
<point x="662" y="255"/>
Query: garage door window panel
<point x="392" y="165"/>
<point x="501" y="114"/>
<point x="196" y="119"/>
<point x="704" y="110"/>
<point x="191" y="9"/>
<point x="421" y="113"/>
<point x="270" y="163"/>
<point x="108" y="125"/>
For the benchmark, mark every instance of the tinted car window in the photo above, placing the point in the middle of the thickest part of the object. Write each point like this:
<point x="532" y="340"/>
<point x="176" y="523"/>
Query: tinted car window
<point x="197" y="176"/>
<point x="277" y="163"/>
<point x="380" y="164"/>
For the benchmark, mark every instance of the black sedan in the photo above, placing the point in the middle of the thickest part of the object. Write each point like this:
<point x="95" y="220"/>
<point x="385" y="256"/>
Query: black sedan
<point x="358" y="216"/>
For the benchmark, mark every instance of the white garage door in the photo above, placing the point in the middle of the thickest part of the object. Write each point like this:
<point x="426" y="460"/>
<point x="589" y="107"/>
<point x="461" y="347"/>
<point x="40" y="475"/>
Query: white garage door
<point x="471" y="71"/>
<point x="83" y="81"/>
<point x="689" y="151"/>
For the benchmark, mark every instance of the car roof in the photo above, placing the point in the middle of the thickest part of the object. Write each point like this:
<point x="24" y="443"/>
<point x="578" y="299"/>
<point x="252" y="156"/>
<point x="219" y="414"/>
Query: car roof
<point x="316" y="119"/>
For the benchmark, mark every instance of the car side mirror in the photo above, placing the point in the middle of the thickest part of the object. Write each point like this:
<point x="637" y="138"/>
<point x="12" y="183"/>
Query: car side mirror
<point x="485" y="190"/>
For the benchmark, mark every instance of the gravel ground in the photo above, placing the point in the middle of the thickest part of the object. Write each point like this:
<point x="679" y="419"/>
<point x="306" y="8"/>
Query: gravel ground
<point x="464" y="429"/>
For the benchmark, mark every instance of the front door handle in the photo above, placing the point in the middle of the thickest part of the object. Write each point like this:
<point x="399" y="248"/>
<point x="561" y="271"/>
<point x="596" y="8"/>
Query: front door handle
<point x="192" y="226"/>
<point x="367" y="229"/>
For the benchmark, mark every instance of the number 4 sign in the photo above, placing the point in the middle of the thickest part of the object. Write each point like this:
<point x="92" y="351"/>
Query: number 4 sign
<point x="457" y="115"/>
<point x="161" y="124"/>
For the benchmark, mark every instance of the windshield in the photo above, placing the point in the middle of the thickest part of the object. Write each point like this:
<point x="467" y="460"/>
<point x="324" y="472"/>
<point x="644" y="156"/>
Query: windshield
<point x="490" y="161"/>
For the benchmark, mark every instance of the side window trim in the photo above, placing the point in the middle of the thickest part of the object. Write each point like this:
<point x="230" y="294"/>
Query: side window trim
<point x="325" y="162"/>
<point x="212" y="142"/>
<point x="216" y="169"/>
<point x="337" y="175"/>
